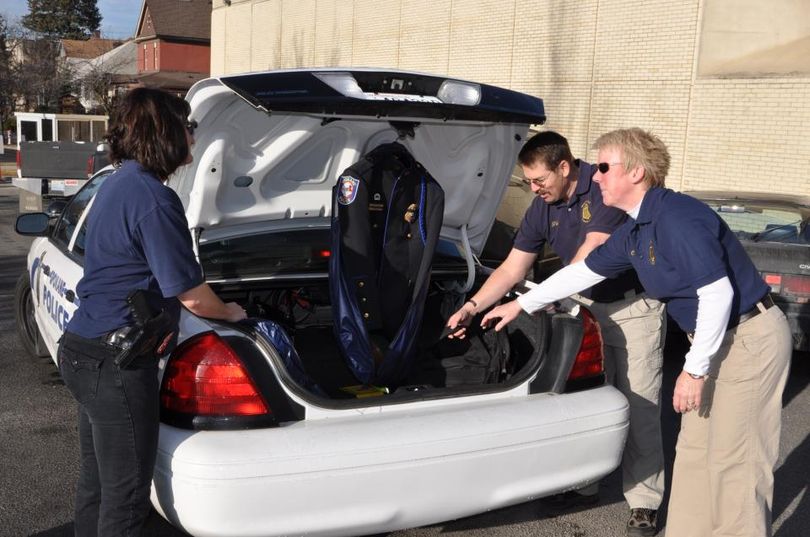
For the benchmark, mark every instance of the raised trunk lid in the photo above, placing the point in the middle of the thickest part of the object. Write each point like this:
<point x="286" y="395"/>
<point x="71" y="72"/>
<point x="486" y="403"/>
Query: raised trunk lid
<point x="271" y="145"/>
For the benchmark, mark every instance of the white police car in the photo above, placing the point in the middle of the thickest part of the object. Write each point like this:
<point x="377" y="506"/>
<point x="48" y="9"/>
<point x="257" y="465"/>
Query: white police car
<point x="247" y="448"/>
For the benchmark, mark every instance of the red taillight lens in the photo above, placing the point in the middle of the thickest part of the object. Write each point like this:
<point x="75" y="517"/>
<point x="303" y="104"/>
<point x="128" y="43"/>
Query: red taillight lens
<point x="590" y="359"/>
<point x="205" y="377"/>
<point x="19" y="159"/>
<point x="89" y="166"/>
<point x="774" y="281"/>
<point x="796" y="285"/>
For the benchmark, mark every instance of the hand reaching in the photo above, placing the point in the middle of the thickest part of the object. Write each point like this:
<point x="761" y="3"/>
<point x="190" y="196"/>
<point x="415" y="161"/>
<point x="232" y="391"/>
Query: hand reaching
<point x="505" y="312"/>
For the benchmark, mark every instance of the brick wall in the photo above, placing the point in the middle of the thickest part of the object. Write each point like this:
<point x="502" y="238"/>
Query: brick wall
<point x="598" y="64"/>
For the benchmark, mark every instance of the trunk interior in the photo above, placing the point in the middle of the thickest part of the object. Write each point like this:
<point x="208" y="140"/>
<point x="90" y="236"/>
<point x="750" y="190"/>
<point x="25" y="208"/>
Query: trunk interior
<point x="483" y="361"/>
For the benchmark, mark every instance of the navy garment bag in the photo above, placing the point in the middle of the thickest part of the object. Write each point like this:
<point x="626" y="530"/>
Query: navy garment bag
<point x="386" y="218"/>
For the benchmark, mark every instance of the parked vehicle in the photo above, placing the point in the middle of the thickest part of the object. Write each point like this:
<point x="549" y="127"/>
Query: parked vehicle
<point x="248" y="448"/>
<point x="775" y="231"/>
<point x="56" y="154"/>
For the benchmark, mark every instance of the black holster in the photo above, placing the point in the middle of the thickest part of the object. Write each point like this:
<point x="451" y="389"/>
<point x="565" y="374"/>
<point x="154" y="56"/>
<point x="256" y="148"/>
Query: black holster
<point x="150" y="334"/>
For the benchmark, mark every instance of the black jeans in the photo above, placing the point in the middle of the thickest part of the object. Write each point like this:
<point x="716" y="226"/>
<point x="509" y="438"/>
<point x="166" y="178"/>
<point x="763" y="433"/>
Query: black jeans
<point x="118" y="431"/>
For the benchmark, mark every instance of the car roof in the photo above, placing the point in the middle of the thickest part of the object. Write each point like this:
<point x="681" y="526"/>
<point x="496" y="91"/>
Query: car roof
<point x="766" y="197"/>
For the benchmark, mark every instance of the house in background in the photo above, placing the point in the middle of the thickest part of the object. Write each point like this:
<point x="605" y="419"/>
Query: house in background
<point x="101" y="78"/>
<point x="173" y="40"/>
<point x="78" y="51"/>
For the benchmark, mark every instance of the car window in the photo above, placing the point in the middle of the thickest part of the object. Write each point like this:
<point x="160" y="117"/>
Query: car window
<point x="762" y="223"/>
<point x="286" y="252"/>
<point x="72" y="213"/>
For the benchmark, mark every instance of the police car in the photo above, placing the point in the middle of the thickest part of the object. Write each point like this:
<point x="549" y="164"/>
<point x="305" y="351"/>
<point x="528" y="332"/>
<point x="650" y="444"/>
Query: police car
<point x="268" y="433"/>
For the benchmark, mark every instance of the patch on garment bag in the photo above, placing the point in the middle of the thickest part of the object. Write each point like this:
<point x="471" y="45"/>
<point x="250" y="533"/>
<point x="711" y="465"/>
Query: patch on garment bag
<point x="348" y="189"/>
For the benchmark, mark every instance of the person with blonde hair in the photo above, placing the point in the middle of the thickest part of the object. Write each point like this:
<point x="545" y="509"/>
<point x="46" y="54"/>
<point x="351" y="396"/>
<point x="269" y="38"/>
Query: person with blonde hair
<point x="730" y="389"/>
<point x="568" y="213"/>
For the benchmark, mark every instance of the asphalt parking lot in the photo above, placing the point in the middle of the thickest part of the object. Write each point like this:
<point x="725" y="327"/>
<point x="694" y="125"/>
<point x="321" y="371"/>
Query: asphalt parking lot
<point x="39" y="451"/>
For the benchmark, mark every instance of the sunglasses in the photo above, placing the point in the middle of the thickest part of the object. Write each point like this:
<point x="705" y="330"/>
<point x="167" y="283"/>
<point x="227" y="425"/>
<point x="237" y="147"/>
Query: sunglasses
<point x="603" y="167"/>
<point x="190" y="126"/>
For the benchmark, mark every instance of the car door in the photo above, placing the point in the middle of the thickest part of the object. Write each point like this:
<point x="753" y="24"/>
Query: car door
<point x="57" y="265"/>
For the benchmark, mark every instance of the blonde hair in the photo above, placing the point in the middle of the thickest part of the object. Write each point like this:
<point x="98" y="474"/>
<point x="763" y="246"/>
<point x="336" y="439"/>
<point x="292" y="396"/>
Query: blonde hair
<point x="639" y="148"/>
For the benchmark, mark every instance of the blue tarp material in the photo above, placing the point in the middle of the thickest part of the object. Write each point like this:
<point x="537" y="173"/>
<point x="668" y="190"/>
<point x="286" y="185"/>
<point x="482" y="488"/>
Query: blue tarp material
<point x="275" y="335"/>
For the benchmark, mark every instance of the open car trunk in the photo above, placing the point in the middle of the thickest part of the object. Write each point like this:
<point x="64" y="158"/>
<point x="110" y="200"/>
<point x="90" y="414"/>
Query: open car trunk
<point x="295" y="297"/>
<point x="258" y="197"/>
<point x="483" y="361"/>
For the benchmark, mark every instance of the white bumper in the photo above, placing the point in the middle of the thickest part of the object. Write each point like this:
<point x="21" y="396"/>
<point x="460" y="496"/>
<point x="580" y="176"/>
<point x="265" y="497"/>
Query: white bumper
<point x="382" y="472"/>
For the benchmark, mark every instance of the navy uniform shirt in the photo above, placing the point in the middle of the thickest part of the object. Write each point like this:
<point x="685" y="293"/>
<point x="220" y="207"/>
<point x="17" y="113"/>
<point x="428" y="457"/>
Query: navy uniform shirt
<point x="678" y="245"/>
<point x="137" y="238"/>
<point x="564" y="226"/>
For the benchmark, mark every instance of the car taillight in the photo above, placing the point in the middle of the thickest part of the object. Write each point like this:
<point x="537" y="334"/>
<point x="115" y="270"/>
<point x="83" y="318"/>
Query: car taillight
<point x="205" y="377"/>
<point x="774" y="281"/>
<point x="589" y="361"/>
<point x="89" y="166"/>
<point x="19" y="160"/>
<point x="796" y="285"/>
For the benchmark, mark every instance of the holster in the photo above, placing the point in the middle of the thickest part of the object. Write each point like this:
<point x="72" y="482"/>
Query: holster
<point x="151" y="333"/>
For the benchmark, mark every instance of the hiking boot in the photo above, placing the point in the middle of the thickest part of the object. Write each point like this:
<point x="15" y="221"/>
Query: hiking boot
<point x="569" y="500"/>
<point x="642" y="523"/>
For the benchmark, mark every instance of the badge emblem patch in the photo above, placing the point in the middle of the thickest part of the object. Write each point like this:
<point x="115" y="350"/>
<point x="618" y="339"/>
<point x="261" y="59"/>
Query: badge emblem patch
<point x="652" y="254"/>
<point x="586" y="212"/>
<point x="348" y="189"/>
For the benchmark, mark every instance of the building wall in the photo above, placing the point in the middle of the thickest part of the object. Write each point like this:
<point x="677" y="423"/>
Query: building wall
<point x="183" y="57"/>
<point x="598" y="65"/>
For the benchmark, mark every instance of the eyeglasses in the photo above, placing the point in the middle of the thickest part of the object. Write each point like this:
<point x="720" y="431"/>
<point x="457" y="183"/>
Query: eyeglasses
<point x="603" y="167"/>
<point x="190" y="126"/>
<point x="536" y="182"/>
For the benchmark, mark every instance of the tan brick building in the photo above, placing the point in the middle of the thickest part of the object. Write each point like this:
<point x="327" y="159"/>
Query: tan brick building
<point x="725" y="83"/>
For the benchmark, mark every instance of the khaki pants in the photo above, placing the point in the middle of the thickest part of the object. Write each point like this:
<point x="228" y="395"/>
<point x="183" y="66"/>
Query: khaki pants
<point x="722" y="482"/>
<point x="633" y="332"/>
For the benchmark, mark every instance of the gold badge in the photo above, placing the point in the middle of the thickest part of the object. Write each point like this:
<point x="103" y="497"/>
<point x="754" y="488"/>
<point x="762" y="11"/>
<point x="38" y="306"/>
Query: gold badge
<point x="410" y="213"/>
<point x="555" y="223"/>
<point x="652" y="254"/>
<point x="586" y="212"/>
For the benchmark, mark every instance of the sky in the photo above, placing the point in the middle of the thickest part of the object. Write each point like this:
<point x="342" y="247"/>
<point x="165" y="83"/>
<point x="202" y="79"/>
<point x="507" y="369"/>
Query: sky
<point x="119" y="17"/>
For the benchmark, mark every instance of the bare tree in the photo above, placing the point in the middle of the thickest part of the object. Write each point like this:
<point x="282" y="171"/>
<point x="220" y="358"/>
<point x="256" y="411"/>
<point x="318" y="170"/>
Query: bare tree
<point x="98" y="79"/>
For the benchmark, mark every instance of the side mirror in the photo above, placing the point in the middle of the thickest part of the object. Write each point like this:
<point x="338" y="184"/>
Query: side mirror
<point x="55" y="208"/>
<point x="33" y="224"/>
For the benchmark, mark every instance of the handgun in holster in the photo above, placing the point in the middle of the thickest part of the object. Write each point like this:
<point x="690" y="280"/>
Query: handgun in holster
<point x="151" y="333"/>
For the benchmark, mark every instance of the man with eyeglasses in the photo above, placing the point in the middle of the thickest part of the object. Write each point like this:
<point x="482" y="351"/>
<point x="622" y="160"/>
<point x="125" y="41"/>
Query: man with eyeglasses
<point x="569" y="214"/>
<point x="730" y="389"/>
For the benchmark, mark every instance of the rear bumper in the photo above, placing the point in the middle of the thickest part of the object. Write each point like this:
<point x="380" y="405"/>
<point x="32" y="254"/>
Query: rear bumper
<point x="379" y="472"/>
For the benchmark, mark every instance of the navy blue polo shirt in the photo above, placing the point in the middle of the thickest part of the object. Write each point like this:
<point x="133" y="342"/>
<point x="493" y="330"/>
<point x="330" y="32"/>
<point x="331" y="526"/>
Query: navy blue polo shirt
<point x="137" y="238"/>
<point x="564" y="224"/>
<point x="678" y="245"/>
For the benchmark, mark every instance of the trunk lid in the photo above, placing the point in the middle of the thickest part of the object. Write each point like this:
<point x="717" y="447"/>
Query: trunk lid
<point x="270" y="146"/>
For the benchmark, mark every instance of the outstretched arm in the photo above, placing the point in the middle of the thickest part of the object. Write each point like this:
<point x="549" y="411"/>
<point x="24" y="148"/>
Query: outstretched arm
<point x="563" y="283"/>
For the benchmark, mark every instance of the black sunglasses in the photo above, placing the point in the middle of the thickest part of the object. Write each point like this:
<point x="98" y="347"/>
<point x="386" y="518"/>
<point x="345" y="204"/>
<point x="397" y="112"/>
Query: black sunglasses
<point x="603" y="167"/>
<point x="190" y="126"/>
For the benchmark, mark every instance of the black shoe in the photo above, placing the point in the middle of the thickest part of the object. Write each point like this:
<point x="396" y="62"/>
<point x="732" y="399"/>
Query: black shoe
<point x="642" y="523"/>
<point x="570" y="500"/>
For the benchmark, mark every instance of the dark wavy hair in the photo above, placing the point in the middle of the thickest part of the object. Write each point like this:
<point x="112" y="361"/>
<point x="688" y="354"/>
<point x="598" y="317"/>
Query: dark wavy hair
<point x="149" y="126"/>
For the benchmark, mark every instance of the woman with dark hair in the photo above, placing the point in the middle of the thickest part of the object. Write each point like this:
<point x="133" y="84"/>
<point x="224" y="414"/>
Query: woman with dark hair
<point x="137" y="239"/>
